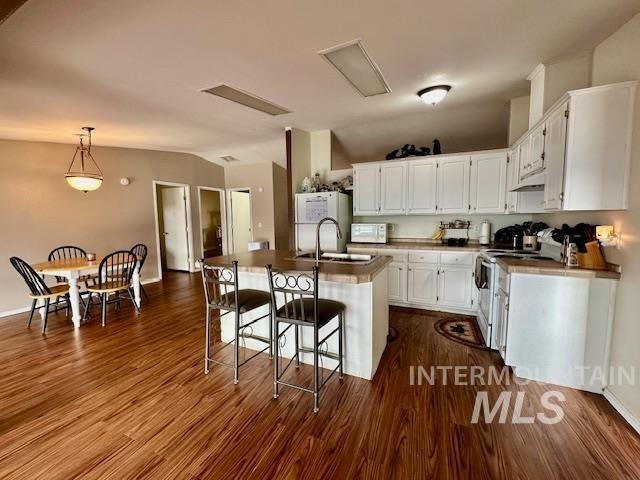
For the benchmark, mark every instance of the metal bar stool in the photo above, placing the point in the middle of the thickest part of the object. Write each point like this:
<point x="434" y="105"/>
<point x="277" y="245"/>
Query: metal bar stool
<point x="222" y="293"/>
<point x="303" y="308"/>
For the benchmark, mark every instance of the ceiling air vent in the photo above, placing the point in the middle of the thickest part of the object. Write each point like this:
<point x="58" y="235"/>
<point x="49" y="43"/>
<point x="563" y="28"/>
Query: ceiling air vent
<point x="354" y="63"/>
<point x="246" y="99"/>
<point x="229" y="158"/>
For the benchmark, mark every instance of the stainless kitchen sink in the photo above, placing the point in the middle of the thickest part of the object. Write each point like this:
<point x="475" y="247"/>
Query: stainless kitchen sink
<point x="352" y="258"/>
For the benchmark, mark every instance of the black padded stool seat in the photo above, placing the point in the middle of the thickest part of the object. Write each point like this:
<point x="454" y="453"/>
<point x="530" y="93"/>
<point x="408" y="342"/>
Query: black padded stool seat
<point x="327" y="310"/>
<point x="247" y="298"/>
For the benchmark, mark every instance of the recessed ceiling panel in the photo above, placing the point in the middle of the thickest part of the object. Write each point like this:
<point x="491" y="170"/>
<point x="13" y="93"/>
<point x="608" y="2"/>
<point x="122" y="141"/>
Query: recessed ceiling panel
<point x="246" y="99"/>
<point x="357" y="67"/>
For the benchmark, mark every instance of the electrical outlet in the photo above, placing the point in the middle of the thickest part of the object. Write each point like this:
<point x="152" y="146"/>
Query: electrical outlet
<point x="392" y="227"/>
<point x="475" y="228"/>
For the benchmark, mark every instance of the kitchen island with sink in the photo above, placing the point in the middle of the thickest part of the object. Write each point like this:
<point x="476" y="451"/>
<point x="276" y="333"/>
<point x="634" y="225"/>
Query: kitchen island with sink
<point x="361" y="286"/>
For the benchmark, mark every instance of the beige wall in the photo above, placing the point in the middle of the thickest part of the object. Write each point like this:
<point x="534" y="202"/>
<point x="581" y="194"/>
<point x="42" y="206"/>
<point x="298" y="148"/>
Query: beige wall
<point x="618" y="59"/>
<point x="39" y="211"/>
<point x="518" y="118"/>
<point x="300" y="158"/>
<point x="259" y="178"/>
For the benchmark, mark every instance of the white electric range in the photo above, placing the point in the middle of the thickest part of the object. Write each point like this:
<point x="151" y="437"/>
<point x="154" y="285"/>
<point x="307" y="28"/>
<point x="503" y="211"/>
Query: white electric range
<point x="487" y="285"/>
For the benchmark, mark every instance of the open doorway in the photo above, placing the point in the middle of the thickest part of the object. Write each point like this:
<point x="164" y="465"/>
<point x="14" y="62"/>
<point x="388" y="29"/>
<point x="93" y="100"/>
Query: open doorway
<point x="240" y="219"/>
<point x="173" y="226"/>
<point x="212" y="222"/>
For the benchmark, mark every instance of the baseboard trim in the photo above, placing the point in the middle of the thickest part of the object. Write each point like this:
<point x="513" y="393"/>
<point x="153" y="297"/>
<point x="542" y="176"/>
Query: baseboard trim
<point x="8" y="313"/>
<point x="16" y="311"/>
<point x="622" y="410"/>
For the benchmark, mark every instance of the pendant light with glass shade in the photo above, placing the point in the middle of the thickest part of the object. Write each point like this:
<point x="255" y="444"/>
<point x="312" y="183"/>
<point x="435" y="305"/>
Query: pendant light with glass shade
<point x="84" y="179"/>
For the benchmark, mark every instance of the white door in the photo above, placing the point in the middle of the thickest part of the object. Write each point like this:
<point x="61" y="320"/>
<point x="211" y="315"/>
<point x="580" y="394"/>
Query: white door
<point x="397" y="282"/>
<point x="366" y="190"/>
<point x="453" y="184"/>
<point x="488" y="183"/>
<point x="240" y="220"/>
<point x="537" y="149"/>
<point x="175" y="233"/>
<point x="513" y="168"/>
<point x="422" y="181"/>
<point x="454" y="287"/>
<point x="423" y="284"/>
<point x="554" y="150"/>
<point x="393" y="179"/>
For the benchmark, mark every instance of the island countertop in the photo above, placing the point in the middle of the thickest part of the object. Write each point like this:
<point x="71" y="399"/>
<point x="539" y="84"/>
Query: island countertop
<point x="257" y="260"/>
<point x="551" y="267"/>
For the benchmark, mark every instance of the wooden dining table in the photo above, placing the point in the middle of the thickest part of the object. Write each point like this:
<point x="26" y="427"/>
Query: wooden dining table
<point x="72" y="269"/>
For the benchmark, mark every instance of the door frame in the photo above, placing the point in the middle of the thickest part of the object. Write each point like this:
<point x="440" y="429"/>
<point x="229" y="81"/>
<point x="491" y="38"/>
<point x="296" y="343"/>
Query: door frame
<point x="231" y="249"/>
<point x="190" y="249"/>
<point x="223" y="216"/>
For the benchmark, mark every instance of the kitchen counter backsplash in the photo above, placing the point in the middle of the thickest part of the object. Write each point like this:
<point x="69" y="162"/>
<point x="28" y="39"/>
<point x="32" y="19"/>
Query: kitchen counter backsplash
<point x="421" y="227"/>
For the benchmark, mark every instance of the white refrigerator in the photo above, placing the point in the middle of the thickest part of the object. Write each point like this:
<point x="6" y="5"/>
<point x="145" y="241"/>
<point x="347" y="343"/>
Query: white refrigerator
<point x="313" y="207"/>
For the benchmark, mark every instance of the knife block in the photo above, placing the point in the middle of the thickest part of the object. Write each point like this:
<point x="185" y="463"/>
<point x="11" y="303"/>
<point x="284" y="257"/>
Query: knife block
<point x="593" y="258"/>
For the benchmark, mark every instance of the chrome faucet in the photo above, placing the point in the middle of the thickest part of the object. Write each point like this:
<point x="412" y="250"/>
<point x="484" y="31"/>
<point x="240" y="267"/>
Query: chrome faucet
<point x="339" y="234"/>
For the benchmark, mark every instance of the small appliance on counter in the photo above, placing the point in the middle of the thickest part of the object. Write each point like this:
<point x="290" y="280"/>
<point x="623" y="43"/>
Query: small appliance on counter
<point x="514" y="236"/>
<point x="485" y="233"/>
<point x="369" y="232"/>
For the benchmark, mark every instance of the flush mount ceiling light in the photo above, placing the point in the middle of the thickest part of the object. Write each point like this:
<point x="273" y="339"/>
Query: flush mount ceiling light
<point x="435" y="94"/>
<point x="84" y="179"/>
<point x="357" y="67"/>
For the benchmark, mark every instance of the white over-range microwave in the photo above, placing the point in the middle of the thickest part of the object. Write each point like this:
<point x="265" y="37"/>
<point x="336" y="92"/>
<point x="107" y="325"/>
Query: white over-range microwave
<point x="369" y="232"/>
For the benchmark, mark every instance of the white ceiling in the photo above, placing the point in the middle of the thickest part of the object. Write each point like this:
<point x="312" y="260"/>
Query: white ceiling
<point x="134" y="68"/>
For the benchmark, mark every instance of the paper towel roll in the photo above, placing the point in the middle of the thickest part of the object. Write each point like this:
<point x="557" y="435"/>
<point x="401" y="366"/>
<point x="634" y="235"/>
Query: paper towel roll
<point x="485" y="233"/>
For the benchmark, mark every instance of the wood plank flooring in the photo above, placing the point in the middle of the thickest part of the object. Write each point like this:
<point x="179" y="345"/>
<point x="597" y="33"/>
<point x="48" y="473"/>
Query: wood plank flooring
<point x="131" y="401"/>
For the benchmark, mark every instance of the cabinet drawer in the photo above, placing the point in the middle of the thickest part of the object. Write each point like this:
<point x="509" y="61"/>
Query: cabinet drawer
<point x="423" y="257"/>
<point x="398" y="255"/>
<point x="456" y="258"/>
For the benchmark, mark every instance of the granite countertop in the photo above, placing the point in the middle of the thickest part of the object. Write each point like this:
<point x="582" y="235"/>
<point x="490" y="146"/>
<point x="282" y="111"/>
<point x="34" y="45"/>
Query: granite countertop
<point x="551" y="267"/>
<point x="256" y="261"/>
<point x="417" y="244"/>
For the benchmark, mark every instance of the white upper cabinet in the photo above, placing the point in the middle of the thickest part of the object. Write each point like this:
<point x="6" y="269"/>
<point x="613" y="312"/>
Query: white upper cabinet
<point x="554" y="150"/>
<point x="453" y="184"/>
<point x="393" y="183"/>
<point x="536" y="159"/>
<point x="488" y="182"/>
<point x="598" y="147"/>
<point x="366" y="189"/>
<point x="513" y="171"/>
<point x="532" y="152"/>
<point x="422" y="179"/>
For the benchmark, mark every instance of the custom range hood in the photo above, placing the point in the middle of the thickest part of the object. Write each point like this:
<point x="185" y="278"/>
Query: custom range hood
<point x="533" y="183"/>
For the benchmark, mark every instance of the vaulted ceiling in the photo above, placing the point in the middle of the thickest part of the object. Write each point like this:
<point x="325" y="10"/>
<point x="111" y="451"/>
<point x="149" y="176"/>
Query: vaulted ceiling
<point x="134" y="69"/>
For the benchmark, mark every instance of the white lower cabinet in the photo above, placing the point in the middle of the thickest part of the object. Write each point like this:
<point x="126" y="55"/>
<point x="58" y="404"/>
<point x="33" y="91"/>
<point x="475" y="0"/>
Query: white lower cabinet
<point x="501" y="322"/>
<point x="455" y="287"/>
<point x="429" y="278"/>
<point x="423" y="284"/>
<point x="397" y="282"/>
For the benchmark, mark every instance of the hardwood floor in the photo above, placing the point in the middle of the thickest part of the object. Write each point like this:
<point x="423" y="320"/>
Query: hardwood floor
<point x="131" y="401"/>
